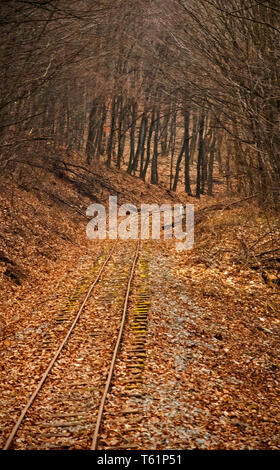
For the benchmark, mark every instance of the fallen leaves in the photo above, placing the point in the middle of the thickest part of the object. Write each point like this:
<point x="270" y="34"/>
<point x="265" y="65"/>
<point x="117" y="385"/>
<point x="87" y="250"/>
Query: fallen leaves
<point x="210" y="369"/>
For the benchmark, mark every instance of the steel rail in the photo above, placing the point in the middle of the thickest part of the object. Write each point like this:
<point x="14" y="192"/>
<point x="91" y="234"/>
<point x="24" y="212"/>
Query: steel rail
<point x="94" y="443"/>
<point x="63" y="343"/>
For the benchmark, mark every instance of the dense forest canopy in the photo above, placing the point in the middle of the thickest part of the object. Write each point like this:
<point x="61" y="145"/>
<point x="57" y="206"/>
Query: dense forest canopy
<point x="184" y="84"/>
<point x="139" y="235"/>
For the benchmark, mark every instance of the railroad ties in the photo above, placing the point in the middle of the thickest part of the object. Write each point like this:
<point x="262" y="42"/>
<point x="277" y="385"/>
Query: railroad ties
<point x="68" y="406"/>
<point x="124" y="411"/>
<point x="138" y="324"/>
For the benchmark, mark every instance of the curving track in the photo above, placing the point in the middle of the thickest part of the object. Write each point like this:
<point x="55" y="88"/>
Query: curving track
<point x="65" y="410"/>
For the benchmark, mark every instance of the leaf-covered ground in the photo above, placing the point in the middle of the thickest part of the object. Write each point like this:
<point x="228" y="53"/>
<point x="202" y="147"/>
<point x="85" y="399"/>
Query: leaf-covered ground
<point x="211" y="375"/>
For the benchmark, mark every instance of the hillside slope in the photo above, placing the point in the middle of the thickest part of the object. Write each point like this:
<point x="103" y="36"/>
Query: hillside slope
<point x="43" y="224"/>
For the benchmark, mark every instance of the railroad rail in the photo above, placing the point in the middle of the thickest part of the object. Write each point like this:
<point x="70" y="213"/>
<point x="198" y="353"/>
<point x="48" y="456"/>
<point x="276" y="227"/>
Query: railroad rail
<point x="58" y="356"/>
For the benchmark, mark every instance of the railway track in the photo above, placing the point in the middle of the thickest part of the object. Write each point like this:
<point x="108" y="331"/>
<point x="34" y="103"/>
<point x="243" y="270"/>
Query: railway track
<point x="125" y="410"/>
<point x="65" y="411"/>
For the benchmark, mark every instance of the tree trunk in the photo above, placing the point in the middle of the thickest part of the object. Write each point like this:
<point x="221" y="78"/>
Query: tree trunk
<point x="149" y="139"/>
<point x="154" y="170"/>
<point x="187" y="153"/>
<point x="132" y="136"/>
<point x="178" y="165"/>
<point x="200" y="155"/>
<point x="141" y="143"/>
<point x="172" y="143"/>
<point x="100" y="132"/>
<point x="91" y="132"/>
<point x="121" y="136"/>
<point x="111" y="137"/>
<point x="211" y="166"/>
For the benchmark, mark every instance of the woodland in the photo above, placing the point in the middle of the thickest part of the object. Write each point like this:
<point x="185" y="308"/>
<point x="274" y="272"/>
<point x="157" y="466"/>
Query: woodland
<point x="154" y="101"/>
<point x="135" y="84"/>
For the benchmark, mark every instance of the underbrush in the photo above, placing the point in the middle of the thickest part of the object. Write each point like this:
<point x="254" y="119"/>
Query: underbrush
<point x="244" y="237"/>
<point x="235" y="261"/>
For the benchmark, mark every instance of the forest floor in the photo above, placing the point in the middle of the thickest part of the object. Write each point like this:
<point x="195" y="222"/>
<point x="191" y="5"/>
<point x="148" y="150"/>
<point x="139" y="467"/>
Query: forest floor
<point x="211" y="377"/>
